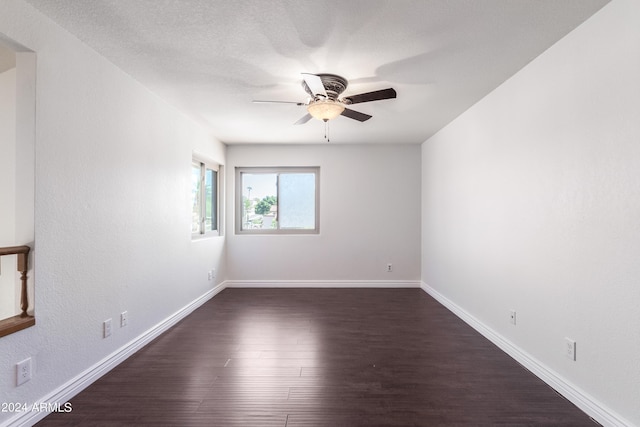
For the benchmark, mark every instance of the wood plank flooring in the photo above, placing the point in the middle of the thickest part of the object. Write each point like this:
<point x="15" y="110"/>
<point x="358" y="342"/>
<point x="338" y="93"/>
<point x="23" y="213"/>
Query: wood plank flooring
<point x="320" y="357"/>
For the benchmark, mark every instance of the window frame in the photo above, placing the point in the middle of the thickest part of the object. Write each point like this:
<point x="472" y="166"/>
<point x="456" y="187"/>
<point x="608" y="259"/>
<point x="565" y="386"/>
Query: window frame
<point x="206" y="165"/>
<point x="239" y="171"/>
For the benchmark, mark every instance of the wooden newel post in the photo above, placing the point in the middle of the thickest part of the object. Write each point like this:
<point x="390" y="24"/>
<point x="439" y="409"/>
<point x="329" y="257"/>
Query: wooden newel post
<point x="23" y="267"/>
<point x="23" y="320"/>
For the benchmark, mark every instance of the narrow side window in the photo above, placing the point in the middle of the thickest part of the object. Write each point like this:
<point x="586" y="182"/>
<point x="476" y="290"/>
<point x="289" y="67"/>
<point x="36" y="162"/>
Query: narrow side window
<point x="204" y="198"/>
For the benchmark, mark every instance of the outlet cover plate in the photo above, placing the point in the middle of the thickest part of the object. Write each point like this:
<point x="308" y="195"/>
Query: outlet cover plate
<point x="23" y="371"/>
<point x="570" y="347"/>
<point x="106" y="328"/>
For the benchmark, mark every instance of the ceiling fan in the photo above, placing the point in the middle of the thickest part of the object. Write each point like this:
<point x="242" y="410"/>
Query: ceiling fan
<point x="324" y="102"/>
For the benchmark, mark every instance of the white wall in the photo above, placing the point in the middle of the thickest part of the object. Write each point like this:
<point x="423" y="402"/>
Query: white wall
<point x="369" y="216"/>
<point x="7" y="191"/>
<point x="531" y="202"/>
<point x="112" y="210"/>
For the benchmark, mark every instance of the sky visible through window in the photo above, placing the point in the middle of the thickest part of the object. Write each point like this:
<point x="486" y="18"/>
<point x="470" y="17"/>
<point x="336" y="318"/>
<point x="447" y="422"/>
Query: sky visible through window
<point x="262" y="185"/>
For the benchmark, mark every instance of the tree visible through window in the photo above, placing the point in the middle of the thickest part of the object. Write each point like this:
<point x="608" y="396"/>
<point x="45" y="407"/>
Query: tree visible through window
<point x="277" y="200"/>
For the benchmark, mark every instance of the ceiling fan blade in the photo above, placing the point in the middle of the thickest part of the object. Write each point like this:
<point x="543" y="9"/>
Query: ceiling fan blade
<point x="355" y="115"/>
<point x="304" y="119"/>
<point x="370" y="96"/>
<point x="314" y="83"/>
<point x="277" y="102"/>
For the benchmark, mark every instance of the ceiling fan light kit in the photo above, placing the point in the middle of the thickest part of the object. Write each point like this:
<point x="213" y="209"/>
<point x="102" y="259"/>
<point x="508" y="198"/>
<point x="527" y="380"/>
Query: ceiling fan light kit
<point x="326" y="109"/>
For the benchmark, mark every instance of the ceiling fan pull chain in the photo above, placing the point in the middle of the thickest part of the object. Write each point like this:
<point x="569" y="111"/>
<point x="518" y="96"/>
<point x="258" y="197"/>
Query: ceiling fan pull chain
<point x="326" y="130"/>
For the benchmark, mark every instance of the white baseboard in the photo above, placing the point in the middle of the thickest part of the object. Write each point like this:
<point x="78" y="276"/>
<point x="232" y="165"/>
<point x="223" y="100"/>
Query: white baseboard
<point x="74" y="386"/>
<point x="322" y="283"/>
<point x="582" y="400"/>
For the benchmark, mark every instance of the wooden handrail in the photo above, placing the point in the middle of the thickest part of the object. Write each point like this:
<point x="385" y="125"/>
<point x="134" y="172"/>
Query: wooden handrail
<point x="13" y="250"/>
<point x="23" y="266"/>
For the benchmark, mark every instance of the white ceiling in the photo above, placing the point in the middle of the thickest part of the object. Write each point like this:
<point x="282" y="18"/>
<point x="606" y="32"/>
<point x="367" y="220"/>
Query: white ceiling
<point x="211" y="58"/>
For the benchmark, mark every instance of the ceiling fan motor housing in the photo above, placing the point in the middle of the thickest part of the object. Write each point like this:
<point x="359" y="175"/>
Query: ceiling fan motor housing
<point x="333" y="84"/>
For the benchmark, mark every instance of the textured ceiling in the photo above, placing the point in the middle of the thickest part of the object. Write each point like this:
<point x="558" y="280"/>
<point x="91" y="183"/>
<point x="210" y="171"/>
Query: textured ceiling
<point x="212" y="58"/>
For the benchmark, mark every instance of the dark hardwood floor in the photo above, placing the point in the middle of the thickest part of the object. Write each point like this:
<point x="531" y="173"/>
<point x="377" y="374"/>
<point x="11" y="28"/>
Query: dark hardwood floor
<point x="320" y="357"/>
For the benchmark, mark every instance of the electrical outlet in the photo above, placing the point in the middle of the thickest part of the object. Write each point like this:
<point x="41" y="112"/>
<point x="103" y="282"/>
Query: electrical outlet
<point x="210" y="275"/>
<point x="106" y="328"/>
<point x="124" y="319"/>
<point x="23" y="371"/>
<point x="389" y="268"/>
<point x="512" y="317"/>
<point x="570" y="348"/>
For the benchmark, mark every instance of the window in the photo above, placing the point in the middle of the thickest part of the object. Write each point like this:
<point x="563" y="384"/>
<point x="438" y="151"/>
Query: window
<point x="277" y="200"/>
<point x="204" y="198"/>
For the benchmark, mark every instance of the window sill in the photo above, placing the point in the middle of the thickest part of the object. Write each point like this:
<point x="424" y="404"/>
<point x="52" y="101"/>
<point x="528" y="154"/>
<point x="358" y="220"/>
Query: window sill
<point x="201" y="237"/>
<point x="14" y="324"/>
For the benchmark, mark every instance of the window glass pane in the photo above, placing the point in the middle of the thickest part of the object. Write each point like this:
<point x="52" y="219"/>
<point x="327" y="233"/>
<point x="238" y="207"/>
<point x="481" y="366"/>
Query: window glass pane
<point x="210" y="222"/>
<point x="297" y="204"/>
<point x="259" y="201"/>
<point x="195" y="198"/>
